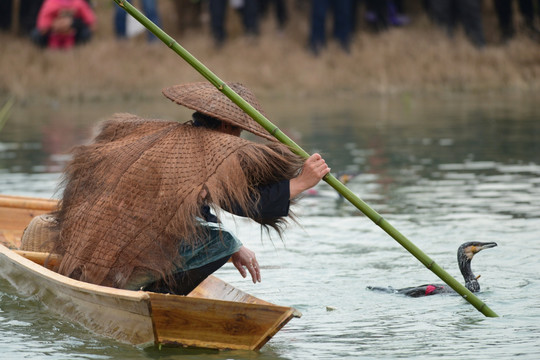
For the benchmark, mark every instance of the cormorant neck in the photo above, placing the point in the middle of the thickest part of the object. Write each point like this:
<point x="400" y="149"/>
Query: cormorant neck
<point x="470" y="280"/>
<point x="472" y="285"/>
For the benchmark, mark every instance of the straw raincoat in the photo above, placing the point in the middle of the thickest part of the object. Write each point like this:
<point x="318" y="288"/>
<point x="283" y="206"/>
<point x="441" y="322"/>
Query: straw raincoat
<point x="137" y="192"/>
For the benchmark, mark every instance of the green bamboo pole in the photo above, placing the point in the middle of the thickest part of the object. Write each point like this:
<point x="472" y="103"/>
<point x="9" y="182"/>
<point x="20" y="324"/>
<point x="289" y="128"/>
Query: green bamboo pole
<point x="330" y="179"/>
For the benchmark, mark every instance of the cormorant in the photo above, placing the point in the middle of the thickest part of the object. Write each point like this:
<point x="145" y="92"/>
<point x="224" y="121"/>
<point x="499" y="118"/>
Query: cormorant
<point x="465" y="254"/>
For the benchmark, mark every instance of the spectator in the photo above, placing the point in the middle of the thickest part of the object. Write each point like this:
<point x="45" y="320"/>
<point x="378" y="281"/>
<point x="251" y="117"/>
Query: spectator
<point x="355" y="6"/>
<point x="280" y="11"/>
<point x="26" y="21"/>
<point x="248" y="10"/>
<point x="380" y="15"/>
<point x="150" y="10"/>
<point x="188" y="14"/>
<point x="505" y="15"/>
<point x="63" y="23"/>
<point x="377" y="14"/>
<point x="250" y="17"/>
<point x="218" y="14"/>
<point x="449" y="13"/>
<point x="5" y="15"/>
<point x="341" y="27"/>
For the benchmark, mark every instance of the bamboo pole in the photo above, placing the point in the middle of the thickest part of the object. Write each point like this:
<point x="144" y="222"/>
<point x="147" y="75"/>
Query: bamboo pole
<point x="330" y="179"/>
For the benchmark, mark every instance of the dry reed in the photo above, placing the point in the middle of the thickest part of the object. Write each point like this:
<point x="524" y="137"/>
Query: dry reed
<point x="417" y="58"/>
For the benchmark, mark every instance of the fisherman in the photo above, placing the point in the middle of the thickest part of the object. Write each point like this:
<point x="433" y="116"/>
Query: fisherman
<point x="140" y="202"/>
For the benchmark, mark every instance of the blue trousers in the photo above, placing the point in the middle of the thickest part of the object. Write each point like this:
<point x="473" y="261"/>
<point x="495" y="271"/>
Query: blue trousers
<point x="342" y="22"/>
<point x="218" y="12"/>
<point x="150" y="10"/>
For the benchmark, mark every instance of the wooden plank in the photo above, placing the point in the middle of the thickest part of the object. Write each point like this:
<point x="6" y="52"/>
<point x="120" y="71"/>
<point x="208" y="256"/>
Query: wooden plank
<point x="29" y="203"/>
<point x="16" y="212"/>
<point x="10" y="239"/>
<point x="40" y="257"/>
<point x="198" y="322"/>
<point x="17" y="218"/>
<point x="215" y="288"/>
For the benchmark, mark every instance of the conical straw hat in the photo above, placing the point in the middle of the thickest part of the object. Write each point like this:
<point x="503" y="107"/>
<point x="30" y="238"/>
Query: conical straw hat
<point x="207" y="99"/>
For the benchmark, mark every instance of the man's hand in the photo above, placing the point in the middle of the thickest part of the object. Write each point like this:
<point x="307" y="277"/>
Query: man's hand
<point x="246" y="258"/>
<point x="314" y="169"/>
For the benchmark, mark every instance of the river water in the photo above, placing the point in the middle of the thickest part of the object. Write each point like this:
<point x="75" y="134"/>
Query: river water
<point x="441" y="169"/>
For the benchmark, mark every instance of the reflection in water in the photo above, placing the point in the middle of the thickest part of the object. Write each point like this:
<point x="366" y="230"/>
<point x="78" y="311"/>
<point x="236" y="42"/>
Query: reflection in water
<point x="442" y="170"/>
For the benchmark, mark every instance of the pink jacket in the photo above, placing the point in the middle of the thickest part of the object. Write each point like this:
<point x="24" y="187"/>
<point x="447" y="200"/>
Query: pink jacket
<point x="50" y="9"/>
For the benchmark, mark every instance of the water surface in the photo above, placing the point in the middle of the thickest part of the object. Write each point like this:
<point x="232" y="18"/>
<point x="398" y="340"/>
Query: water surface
<point x="441" y="169"/>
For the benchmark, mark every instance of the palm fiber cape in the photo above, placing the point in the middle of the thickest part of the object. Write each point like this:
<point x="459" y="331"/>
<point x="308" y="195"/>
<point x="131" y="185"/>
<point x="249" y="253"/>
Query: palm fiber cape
<point x="135" y="192"/>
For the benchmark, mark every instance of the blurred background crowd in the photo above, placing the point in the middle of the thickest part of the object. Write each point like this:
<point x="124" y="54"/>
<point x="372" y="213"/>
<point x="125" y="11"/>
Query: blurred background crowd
<point x="62" y="24"/>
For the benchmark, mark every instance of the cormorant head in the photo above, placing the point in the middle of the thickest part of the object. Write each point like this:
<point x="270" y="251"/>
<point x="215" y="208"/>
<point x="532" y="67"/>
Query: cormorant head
<point x="465" y="254"/>
<point x="468" y="249"/>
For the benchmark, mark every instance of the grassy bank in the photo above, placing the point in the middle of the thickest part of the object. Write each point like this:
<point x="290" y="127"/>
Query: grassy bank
<point x="418" y="58"/>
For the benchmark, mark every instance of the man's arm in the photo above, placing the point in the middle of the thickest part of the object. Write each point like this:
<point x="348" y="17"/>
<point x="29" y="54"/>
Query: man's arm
<point x="314" y="169"/>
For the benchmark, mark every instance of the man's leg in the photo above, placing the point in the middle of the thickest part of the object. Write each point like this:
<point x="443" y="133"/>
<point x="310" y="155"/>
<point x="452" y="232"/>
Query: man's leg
<point x="186" y="281"/>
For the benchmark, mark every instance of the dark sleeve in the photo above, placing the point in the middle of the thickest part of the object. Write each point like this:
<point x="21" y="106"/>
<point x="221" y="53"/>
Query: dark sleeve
<point x="207" y="214"/>
<point x="273" y="201"/>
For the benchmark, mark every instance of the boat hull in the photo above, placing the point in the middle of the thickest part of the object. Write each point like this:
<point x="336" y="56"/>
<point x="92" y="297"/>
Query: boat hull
<point x="214" y="315"/>
<point x="120" y="314"/>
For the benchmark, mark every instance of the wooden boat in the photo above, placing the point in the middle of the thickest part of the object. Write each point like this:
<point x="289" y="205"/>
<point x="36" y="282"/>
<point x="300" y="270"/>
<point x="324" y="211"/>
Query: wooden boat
<point x="214" y="315"/>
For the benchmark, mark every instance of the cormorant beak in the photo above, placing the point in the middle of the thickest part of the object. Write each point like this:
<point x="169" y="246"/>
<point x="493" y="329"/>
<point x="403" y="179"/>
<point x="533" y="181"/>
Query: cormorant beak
<point x="476" y="247"/>
<point x="483" y="246"/>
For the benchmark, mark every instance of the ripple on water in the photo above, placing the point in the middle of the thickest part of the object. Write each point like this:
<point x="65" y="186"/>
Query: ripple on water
<point x="433" y="183"/>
